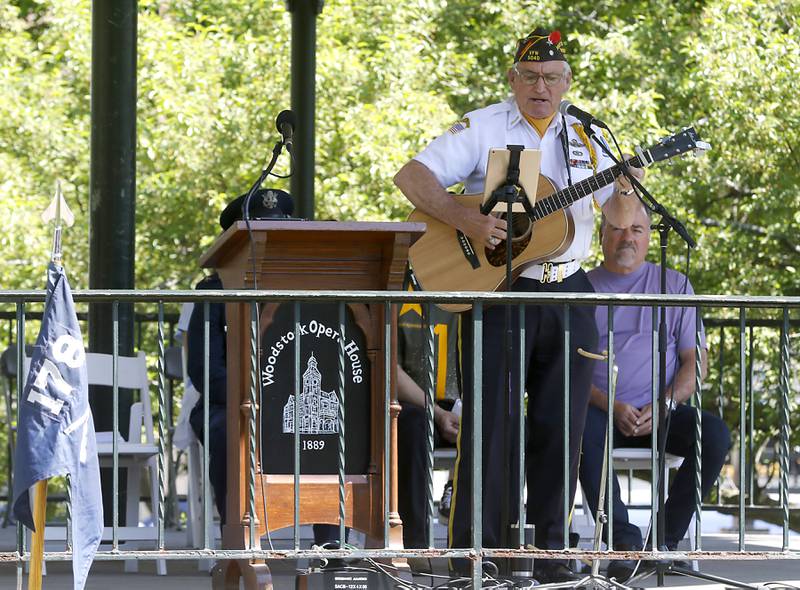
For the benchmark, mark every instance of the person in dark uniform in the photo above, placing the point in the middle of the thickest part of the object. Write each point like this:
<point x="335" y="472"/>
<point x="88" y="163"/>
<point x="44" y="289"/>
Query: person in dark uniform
<point x="217" y="386"/>
<point x="539" y="78"/>
<point x="412" y="380"/>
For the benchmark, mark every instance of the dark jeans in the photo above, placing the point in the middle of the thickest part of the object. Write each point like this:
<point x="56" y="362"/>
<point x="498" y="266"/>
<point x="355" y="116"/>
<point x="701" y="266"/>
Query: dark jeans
<point x="679" y="506"/>
<point x="544" y="355"/>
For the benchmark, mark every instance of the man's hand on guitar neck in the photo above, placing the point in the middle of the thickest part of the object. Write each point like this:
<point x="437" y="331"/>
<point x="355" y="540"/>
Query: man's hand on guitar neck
<point x="622" y="184"/>
<point x="620" y="210"/>
<point x="420" y="186"/>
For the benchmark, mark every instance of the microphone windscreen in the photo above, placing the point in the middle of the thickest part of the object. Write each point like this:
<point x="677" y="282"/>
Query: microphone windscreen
<point x="283" y="118"/>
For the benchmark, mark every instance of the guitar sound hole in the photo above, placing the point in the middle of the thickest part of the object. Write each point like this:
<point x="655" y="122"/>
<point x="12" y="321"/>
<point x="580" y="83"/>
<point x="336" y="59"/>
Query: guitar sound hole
<point x="521" y="225"/>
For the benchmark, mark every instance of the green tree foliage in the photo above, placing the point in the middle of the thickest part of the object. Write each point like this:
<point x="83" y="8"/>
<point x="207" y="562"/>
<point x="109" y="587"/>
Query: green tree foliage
<point x="391" y="75"/>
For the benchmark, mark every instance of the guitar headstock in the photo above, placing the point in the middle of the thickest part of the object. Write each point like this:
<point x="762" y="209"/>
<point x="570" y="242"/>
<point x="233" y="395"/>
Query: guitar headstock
<point x="674" y="145"/>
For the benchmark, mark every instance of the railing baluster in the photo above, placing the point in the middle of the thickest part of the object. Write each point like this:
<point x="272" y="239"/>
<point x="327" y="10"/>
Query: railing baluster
<point x="387" y="385"/>
<point x="610" y="434"/>
<point x="206" y="436"/>
<point x="342" y="335"/>
<point x="655" y="474"/>
<point x="162" y="425"/>
<point x="429" y="402"/>
<point x="742" y="425"/>
<point x="565" y="455"/>
<point x="21" y="537"/>
<point x="477" y="442"/>
<point x="784" y="437"/>
<point x="721" y="397"/>
<point x="521" y="426"/>
<point x="751" y="421"/>
<point x="68" y="535"/>
<point x="296" y="392"/>
<point x="251" y="420"/>
<point x="697" y="402"/>
<point x="115" y="432"/>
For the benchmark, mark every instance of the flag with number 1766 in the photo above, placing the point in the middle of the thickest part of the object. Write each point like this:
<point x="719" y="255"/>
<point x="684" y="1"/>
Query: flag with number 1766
<point x="56" y="429"/>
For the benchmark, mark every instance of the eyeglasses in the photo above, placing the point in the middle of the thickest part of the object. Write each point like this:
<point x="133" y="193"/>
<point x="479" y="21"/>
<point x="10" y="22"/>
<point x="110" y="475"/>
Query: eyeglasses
<point x="532" y="78"/>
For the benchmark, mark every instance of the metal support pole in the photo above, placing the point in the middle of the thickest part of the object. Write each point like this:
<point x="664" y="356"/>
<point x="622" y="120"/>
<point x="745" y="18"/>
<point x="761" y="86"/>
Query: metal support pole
<point x="112" y="194"/>
<point x="304" y="65"/>
<point x="112" y="181"/>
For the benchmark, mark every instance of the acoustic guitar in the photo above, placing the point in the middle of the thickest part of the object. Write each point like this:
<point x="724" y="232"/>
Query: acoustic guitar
<point x="443" y="259"/>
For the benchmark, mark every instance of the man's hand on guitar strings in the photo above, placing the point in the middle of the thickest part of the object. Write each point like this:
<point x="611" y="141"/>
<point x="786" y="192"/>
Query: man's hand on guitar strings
<point x="486" y="230"/>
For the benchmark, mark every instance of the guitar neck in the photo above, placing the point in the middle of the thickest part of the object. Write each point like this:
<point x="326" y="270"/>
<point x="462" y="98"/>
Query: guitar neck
<point x="565" y="197"/>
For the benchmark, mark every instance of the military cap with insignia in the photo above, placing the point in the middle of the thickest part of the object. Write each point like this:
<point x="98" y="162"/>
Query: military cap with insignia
<point x="266" y="203"/>
<point x="540" y="45"/>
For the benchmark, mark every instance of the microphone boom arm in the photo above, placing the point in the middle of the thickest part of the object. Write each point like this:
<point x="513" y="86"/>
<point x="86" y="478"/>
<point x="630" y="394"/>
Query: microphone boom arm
<point x="652" y="203"/>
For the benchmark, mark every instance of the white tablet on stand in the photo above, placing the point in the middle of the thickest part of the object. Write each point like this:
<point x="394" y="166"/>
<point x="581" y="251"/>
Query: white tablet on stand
<point x="497" y="172"/>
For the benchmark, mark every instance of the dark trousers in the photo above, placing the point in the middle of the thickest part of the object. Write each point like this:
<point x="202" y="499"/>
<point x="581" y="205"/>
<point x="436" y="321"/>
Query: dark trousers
<point x="217" y="459"/>
<point x="544" y="358"/>
<point x="412" y="467"/>
<point x="681" y="439"/>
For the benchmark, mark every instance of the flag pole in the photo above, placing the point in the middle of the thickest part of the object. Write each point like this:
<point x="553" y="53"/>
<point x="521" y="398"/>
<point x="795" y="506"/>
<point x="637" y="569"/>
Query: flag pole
<point x="57" y="211"/>
<point x="37" y="542"/>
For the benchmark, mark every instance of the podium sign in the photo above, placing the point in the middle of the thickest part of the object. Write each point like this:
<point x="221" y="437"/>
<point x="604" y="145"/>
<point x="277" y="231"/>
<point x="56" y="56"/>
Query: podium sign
<point x="317" y="391"/>
<point x="308" y="255"/>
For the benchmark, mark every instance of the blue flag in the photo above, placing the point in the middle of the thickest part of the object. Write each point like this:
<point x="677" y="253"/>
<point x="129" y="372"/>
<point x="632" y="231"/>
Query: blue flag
<point x="56" y="429"/>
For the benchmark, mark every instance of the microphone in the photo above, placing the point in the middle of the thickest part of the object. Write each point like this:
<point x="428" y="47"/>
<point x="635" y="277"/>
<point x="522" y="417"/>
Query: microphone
<point x="285" y="124"/>
<point x="587" y="120"/>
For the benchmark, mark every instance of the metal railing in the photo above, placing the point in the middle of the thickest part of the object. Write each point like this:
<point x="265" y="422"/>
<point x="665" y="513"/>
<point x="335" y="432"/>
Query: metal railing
<point x="787" y="387"/>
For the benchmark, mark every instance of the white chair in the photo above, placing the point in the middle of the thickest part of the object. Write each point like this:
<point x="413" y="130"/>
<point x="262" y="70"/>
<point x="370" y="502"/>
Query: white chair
<point x="638" y="459"/>
<point x="138" y="453"/>
<point x="632" y="459"/>
<point x="186" y="440"/>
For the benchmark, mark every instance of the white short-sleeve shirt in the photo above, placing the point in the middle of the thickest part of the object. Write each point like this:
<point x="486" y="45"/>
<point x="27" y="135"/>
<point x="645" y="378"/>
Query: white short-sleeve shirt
<point x="461" y="154"/>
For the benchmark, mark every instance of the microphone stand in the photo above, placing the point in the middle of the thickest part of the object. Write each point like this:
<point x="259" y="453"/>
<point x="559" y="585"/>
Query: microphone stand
<point x="276" y="151"/>
<point x="509" y="194"/>
<point x="667" y="222"/>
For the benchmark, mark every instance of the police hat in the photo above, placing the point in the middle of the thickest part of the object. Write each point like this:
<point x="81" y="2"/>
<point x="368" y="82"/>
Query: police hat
<point x="266" y="203"/>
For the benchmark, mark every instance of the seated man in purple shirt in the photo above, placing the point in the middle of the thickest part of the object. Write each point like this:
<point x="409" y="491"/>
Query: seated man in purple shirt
<point x="624" y="270"/>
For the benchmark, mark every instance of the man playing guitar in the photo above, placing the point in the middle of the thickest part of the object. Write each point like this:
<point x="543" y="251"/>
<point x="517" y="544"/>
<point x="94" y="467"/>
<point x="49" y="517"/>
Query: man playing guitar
<point x="538" y="79"/>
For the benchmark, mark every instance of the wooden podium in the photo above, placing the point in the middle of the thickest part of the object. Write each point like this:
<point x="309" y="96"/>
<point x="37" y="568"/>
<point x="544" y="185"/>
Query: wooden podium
<point x="308" y="255"/>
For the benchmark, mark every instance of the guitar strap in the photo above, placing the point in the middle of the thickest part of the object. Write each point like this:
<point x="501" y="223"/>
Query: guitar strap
<point x="565" y="148"/>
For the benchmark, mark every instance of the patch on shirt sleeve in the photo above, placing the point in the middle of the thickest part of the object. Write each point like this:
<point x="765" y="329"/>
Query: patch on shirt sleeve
<point x="459" y="126"/>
